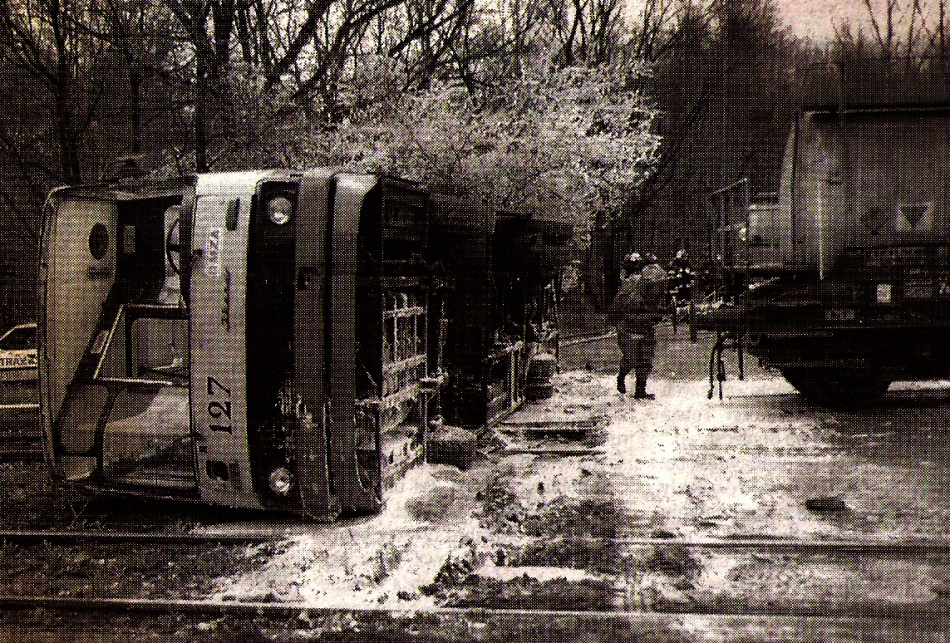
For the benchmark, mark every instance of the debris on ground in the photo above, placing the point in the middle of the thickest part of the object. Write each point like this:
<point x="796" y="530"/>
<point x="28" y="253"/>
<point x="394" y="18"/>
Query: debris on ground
<point x="826" y="505"/>
<point x="547" y="521"/>
<point x="451" y="445"/>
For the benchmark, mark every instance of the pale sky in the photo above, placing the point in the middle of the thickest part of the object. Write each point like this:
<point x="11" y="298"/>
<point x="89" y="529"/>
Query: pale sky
<point x="818" y="18"/>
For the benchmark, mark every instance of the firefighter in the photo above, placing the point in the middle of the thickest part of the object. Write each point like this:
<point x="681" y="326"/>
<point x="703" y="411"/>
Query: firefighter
<point x="635" y="311"/>
<point x="681" y="284"/>
<point x="681" y="278"/>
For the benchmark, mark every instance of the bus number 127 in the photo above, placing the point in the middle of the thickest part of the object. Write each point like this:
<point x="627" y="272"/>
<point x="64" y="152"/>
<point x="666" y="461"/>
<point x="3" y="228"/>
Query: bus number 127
<point x="219" y="407"/>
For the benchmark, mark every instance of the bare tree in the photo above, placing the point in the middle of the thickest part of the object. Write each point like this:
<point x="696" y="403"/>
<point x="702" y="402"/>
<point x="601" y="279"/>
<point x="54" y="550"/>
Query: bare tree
<point x="888" y="18"/>
<point x="723" y="82"/>
<point x="39" y="41"/>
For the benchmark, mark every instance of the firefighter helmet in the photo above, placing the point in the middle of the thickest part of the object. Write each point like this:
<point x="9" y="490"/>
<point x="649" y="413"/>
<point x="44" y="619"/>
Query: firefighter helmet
<point x="633" y="262"/>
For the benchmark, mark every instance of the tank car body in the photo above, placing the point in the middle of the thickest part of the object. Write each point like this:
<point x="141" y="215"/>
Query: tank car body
<point x="848" y="278"/>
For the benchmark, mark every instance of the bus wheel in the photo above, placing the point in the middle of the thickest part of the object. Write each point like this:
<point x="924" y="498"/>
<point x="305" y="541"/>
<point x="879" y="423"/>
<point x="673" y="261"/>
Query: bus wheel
<point x="839" y="389"/>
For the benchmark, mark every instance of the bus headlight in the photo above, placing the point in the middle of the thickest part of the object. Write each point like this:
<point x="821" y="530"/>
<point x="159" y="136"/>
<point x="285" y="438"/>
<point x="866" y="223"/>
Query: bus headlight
<point x="280" y="480"/>
<point x="885" y="293"/>
<point x="279" y="210"/>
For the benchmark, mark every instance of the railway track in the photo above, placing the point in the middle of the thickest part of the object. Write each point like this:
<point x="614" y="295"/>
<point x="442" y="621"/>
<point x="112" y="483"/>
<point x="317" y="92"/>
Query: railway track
<point x="478" y="624"/>
<point x="176" y="600"/>
<point x="158" y="538"/>
<point x="852" y="547"/>
<point x="858" y="613"/>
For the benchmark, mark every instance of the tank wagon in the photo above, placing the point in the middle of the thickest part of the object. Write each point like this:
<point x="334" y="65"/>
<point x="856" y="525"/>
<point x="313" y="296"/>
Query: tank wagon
<point x="845" y="282"/>
<point x="270" y="340"/>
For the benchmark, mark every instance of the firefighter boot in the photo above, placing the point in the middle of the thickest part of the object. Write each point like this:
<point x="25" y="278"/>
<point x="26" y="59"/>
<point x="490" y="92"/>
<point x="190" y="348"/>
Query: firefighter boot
<point x="641" y="391"/>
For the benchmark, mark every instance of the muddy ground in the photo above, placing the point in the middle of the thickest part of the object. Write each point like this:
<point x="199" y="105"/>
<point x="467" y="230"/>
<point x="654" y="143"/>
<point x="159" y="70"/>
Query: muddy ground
<point x="549" y="532"/>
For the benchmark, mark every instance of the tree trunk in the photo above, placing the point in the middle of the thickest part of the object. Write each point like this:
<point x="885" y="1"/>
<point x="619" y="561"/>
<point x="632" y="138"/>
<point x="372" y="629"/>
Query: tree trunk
<point x="135" y="111"/>
<point x="201" y="109"/>
<point x="69" y="157"/>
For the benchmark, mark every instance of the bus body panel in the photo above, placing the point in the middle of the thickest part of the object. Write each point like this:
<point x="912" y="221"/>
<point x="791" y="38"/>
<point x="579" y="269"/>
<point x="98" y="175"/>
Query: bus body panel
<point x="311" y="335"/>
<point x="75" y="302"/>
<point x="348" y="204"/>
<point x="218" y="350"/>
<point x="71" y="301"/>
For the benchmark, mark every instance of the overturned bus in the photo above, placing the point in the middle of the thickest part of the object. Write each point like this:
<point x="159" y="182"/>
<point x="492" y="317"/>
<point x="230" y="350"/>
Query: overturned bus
<point x="845" y="282"/>
<point x="278" y="340"/>
<point x="253" y="339"/>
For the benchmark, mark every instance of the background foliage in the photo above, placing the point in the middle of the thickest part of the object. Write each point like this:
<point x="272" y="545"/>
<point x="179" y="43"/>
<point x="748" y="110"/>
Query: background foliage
<point x="619" y="118"/>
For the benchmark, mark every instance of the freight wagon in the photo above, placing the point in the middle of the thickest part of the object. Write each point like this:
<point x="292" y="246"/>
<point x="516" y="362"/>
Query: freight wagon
<point x="844" y="284"/>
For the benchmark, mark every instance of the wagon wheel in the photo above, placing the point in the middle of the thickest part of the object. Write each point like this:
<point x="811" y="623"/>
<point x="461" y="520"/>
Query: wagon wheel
<point x="803" y="379"/>
<point x="839" y="389"/>
<point x="173" y="246"/>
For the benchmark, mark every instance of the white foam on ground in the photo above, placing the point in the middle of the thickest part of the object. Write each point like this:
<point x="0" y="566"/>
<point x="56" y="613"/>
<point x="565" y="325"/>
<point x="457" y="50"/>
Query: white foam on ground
<point x="371" y="563"/>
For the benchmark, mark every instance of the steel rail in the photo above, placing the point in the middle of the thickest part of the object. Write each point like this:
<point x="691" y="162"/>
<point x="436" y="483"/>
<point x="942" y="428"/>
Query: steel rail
<point x="586" y="338"/>
<point x="70" y="537"/>
<point x="854" y="546"/>
<point x="24" y="406"/>
<point x="550" y="451"/>
<point x="172" y="538"/>
<point x="922" y="394"/>
<point x="937" y="613"/>
<point x="859" y="547"/>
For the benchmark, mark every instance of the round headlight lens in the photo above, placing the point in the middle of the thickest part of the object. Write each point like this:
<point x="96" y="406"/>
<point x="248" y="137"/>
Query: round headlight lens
<point x="280" y="480"/>
<point x="279" y="210"/>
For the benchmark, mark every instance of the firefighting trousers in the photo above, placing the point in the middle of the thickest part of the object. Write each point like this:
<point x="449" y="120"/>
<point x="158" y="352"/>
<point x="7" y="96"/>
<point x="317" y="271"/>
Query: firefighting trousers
<point x="637" y="352"/>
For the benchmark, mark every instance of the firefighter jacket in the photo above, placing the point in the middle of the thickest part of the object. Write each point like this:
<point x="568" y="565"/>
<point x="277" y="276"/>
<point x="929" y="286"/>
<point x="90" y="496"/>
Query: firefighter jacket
<point x="638" y="305"/>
